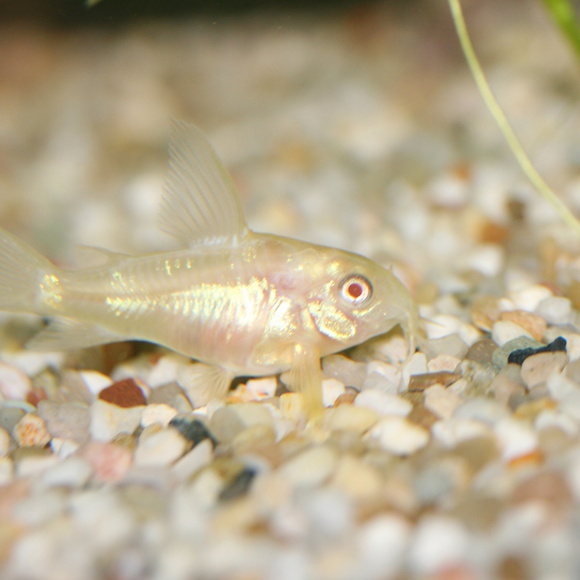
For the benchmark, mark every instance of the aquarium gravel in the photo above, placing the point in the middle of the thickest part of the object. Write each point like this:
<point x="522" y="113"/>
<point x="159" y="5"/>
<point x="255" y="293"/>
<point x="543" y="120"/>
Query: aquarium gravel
<point x="363" y="131"/>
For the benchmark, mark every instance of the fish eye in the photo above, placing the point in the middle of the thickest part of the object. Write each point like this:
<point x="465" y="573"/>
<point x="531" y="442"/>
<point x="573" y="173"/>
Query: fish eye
<point x="356" y="289"/>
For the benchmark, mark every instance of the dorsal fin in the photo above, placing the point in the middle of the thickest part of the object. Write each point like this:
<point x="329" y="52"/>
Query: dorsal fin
<point x="93" y="257"/>
<point x="201" y="203"/>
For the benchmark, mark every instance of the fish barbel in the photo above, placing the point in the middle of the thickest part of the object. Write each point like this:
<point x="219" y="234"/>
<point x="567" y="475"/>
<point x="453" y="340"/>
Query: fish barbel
<point x="242" y="303"/>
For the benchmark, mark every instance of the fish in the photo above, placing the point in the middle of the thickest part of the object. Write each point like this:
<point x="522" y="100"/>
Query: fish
<point x="238" y="302"/>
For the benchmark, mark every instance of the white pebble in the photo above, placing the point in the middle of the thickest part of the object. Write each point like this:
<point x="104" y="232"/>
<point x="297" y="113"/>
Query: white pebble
<point x="200" y="456"/>
<point x="481" y="409"/>
<point x="399" y="436"/>
<point x="14" y="384"/>
<point x="310" y="468"/>
<point x="453" y="431"/>
<point x="160" y="448"/>
<point x="380" y="382"/>
<point x="4" y="442"/>
<point x="504" y="330"/>
<point x="488" y="259"/>
<point x="35" y="465"/>
<point x="516" y="438"/>
<point x="72" y="472"/>
<point x="555" y="310"/>
<point x="441" y="401"/>
<point x="6" y="470"/>
<point x="253" y="414"/>
<point x="528" y="297"/>
<point x="31" y="363"/>
<point x="550" y="418"/>
<point x="383" y="403"/>
<point x="350" y="418"/>
<point x="262" y="388"/>
<point x="108" y="421"/>
<point x="416" y="366"/>
<point x="157" y="413"/>
<point x="63" y="447"/>
<point x="439" y="543"/>
<point x="95" y="381"/>
<point x="442" y="325"/>
<point x="537" y="368"/>
<point x="443" y="362"/>
<point x="383" y="543"/>
<point x="167" y="370"/>
<point x="331" y="390"/>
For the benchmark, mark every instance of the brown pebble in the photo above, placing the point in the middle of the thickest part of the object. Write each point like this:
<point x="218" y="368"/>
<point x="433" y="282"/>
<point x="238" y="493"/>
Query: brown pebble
<point x="549" y="487"/>
<point x="347" y="398"/>
<point x="124" y="394"/>
<point x="485" y="312"/>
<point x="529" y="321"/>
<point x="503" y="388"/>
<point x="513" y="568"/>
<point x="426" y="380"/>
<point x="478" y="451"/>
<point x="422" y="416"/>
<point x="482" y="351"/>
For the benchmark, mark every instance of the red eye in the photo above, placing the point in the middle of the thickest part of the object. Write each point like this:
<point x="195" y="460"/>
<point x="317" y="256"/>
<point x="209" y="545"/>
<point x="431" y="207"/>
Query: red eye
<point x="356" y="289"/>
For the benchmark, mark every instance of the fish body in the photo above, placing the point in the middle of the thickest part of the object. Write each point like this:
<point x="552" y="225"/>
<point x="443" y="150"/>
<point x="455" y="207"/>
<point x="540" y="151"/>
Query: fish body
<point x="243" y="303"/>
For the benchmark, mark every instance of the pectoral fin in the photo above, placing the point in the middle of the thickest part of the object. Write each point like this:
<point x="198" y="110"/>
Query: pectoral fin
<point x="203" y="382"/>
<point x="306" y="377"/>
<point x="66" y="334"/>
<point x="201" y="203"/>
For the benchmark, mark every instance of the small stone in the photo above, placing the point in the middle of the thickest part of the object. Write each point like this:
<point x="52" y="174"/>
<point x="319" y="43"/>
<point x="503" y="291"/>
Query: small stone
<point x="63" y="447"/>
<point x="478" y="451"/>
<point x="443" y="362"/>
<point x="504" y="388"/>
<point x="504" y="331"/>
<point x="347" y="398"/>
<point x="399" y="436"/>
<point x="549" y="419"/>
<point x="453" y="431"/>
<point x="439" y="543"/>
<point x="65" y="420"/>
<point x="422" y="416"/>
<point x="537" y="368"/>
<point x="481" y="409"/>
<point x="485" y="311"/>
<point x="310" y="468"/>
<point x="262" y="388"/>
<point x="4" y="442"/>
<point x="73" y="472"/>
<point x="238" y="485"/>
<point x="14" y="384"/>
<point x="193" y="429"/>
<point x="95" y="381"/>
<point x="357" y="479"/>
<point x="533" y="323"/>
<point x="253" y="414"/>
<point x="157" y="413"/>
<point x="529" y="410"/>
<point x="9" y="416"/>
<point x="108" y="420"/>
<point x="529" y="297"/>
<point x="383" y="403"/>
<point x="501" y="355"/>
<point x="451" y="344"/>
<point x="109" y="461"/>
<point x="331" y="390"/>
<point x="517" y="439"/>
<point x="6" y="470"/>
<point x="124" y="394"/>
<point x="548" y="487"/>
<point x="555" y="310"/>
<point x="225" y="424"/>
<point x="350" y="418"/>
<point x="519" y="356"/>
<point x="417" y="365"/>
<point x="441" y="401"/>
<point x="172" y="395"/>
<point x="159" y="448"/>
<point x="482" y="351"/>
<point x="200" y="456"/>
<point x="291" y="405"/>
<point x="423" y="381"/>
<point x="380" y="382"/>
<point x="442" y="325"/>
<point x="31" y="431"/>
<point x="348" y="372"/>
<point x="390" y="372"/>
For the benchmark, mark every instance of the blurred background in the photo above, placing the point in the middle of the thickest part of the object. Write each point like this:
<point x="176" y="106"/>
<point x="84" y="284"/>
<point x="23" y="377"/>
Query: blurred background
<point x="353" y="124"/>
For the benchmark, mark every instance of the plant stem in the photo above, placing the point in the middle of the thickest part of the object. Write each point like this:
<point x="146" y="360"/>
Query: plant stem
<point x="502" y="122"/>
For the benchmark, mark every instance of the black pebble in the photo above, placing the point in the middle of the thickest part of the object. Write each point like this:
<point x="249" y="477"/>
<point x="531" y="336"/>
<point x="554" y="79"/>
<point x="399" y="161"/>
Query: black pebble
<point x="519" y="356"/>
<point x="238" y="485"/>
<point x="192" y="429"/>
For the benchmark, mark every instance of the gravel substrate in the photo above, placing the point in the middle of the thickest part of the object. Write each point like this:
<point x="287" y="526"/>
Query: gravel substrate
<point x="362" y="131"/>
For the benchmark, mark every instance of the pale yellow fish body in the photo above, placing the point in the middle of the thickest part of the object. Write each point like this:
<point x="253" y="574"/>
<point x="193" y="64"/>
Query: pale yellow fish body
<point x="243" y="302"/>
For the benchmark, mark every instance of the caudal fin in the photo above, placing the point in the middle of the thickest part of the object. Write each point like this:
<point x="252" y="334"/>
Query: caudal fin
<point x="21" y="268"/>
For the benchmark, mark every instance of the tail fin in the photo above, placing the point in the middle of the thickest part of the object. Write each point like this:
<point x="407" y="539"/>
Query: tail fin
<point x="20" y="269"/>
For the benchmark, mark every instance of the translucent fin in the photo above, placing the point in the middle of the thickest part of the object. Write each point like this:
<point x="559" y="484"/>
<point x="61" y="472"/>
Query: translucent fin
<point x="66" y="334"/>
<point x="201" y="203"/>
<point x="20" y="270"/>
<point x="203" y="382"/>
<point x="306" y="377"/>
<point x="92" y="257"/>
